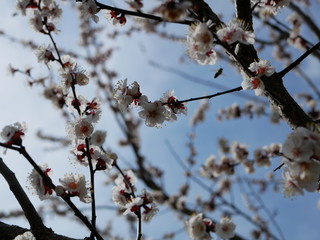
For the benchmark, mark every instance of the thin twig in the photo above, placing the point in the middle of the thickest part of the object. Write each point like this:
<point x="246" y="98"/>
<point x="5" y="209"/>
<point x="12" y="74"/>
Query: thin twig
<point x="277" y="168"/>
<point x="92" y="191"/>
<point x="209" y="96"/>
<point x="298" y="60"/>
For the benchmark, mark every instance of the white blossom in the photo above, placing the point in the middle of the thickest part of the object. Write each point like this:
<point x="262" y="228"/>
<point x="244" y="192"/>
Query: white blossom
<point x="80" y="129"/>
<point x="154" y="113"/>
<point x="126" y="95"/>
<point x="13" y="134"/>
<point x="25" y="236"/>
<point x="89" y="9"/>
<point x="36" y="183"/>
<point x="75" y="184"/>
<point x="120" y="196"/>
<point x="301" y="145"/>
<point x="254" y="83"/>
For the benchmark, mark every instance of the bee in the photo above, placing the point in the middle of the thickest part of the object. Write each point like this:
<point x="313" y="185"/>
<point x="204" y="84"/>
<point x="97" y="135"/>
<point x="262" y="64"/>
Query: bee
<point x="218" y="73"/>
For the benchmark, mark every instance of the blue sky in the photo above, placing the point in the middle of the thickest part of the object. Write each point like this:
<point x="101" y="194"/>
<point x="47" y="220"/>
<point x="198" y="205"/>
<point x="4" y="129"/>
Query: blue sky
<point x="297" y="218"/>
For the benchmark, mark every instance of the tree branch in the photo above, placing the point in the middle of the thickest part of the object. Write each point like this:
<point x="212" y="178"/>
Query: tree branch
<point x="30" y="212"/>
<point x="9" y="232"/>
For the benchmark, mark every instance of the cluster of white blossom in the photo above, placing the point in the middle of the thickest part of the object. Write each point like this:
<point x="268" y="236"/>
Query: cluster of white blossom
<point x="213" y="168"/>
<point x="200" y="40"/>
<point x="301" y="152"/>
<point x="294" y="39"/>
<point x="86" y="142"/>
<point x="87" y="114"/>
<point x="234" y="111"/>
<point x="199" y="228"/>
<point x="154" y="113"/>
<point x="258" y="69"/>
<point x="71" y="185"/>
<point x="44" y="14"/>
<point x="235" y="154"/>
<point x="200" y="44"/>
<point x="123" y="195"/>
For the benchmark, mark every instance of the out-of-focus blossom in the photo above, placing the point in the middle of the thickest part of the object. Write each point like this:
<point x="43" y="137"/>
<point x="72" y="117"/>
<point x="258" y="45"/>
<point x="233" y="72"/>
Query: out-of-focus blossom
<point x="44" y="54"/>
<point x="89" y="9"/>
<point x="98" y="138"/>
<point x="199" y="114"/>
<point x="135" y="4"/>
<point x="225" y="228"/>
<point x="173" y="10"/>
